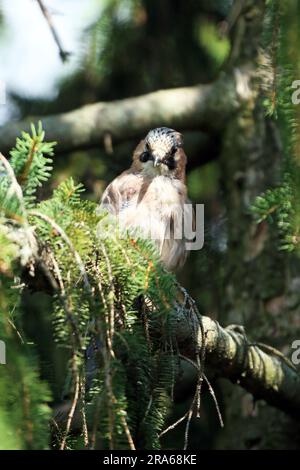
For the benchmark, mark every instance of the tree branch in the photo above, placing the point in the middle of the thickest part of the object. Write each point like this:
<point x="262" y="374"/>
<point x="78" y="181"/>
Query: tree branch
<point x="262" y="371"/>
<point x="206" y="107"/>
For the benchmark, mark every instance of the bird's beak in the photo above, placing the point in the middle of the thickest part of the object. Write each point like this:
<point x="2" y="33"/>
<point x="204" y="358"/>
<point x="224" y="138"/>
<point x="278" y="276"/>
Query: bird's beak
<point x="157" y="161"/>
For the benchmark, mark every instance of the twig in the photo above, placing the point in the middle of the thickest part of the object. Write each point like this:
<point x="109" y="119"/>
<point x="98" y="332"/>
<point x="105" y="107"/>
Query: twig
<point x="84" y="422"/>
<point x="24" y="175"/>
<point x="74" y="402"/>
<point x="112" y="296"/>
<point x="127" y="432"/>
<point x="16" y="330"/>
<point x="210" y="388"/>
<point x="95" y="423"/>
<point x="64" y="55"/>
<point x="212" y="392"/>
<point x="188" y="423"/>
<point x="172" y="426"/>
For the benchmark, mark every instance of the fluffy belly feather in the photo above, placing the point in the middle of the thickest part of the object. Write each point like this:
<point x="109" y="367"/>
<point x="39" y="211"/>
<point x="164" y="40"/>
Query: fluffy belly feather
<point x="159" y="216"/>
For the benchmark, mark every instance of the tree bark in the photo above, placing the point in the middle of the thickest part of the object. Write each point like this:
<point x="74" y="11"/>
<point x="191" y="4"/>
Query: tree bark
<point x="259" y="369"/>
<point x="254" y="284"/>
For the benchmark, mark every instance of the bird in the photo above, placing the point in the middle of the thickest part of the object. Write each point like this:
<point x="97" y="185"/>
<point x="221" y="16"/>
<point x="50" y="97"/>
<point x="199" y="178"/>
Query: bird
<point x="151" y="196"/>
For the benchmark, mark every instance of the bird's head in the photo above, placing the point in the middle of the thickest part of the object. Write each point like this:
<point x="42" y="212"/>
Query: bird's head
<point x="161" y="153"/>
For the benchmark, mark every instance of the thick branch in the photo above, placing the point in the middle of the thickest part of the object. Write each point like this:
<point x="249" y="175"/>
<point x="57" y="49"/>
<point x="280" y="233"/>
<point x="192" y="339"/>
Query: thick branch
<point x="260" y="370"/>
<point x="198" y="107"/>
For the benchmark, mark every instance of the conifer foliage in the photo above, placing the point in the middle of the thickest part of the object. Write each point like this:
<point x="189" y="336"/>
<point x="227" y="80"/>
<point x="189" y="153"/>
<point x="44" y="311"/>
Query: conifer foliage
<point x="110" y="295"/>
<point x="280" y="70"/>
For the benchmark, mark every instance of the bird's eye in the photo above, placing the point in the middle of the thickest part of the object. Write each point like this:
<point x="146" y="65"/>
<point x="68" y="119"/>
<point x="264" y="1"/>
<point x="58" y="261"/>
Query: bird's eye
<point x="170" y="162"/>
<point x="145" y="156"/>
<point x="173" y="151"/>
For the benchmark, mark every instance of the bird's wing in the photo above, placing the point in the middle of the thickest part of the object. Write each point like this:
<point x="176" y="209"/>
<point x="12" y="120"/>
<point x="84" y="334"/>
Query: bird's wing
<point x="122" y="192"/>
